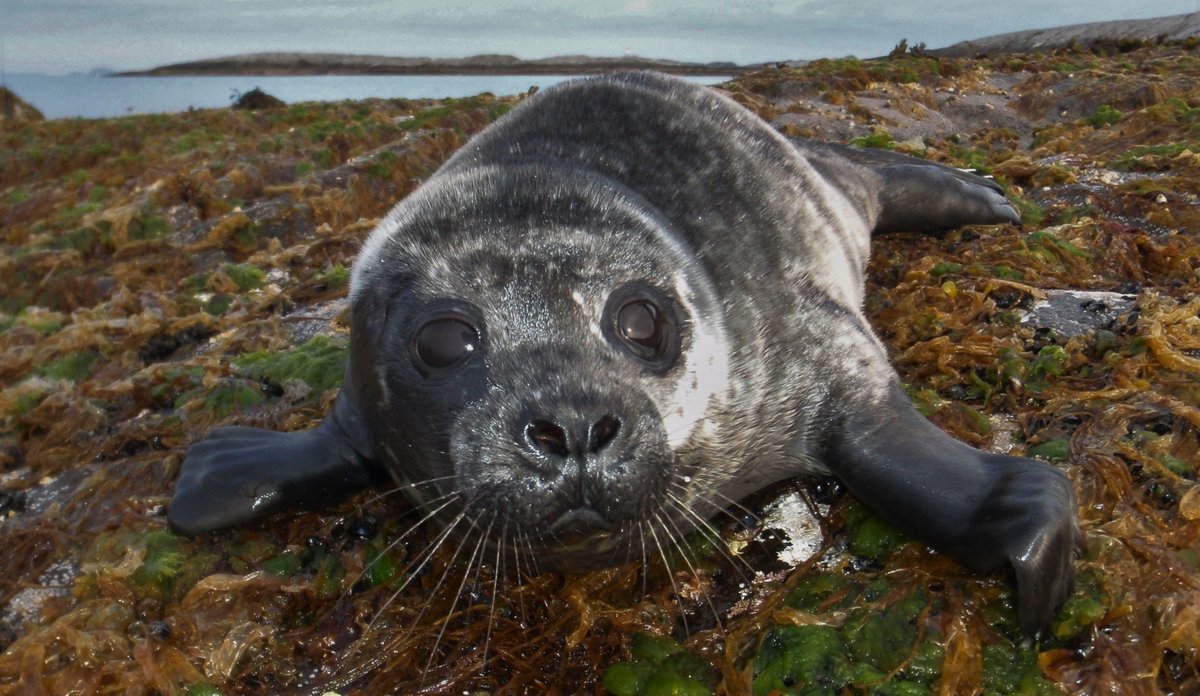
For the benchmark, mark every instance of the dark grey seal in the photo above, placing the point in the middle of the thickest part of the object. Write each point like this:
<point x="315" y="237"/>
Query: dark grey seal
<point x="620" y="308"/>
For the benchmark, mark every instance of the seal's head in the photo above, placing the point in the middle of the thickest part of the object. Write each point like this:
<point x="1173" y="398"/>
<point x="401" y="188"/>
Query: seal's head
<point x="537" y="344"/>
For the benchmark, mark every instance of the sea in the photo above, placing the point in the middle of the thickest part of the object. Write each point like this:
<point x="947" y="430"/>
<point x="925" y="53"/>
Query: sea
<point x="99" y="96"/>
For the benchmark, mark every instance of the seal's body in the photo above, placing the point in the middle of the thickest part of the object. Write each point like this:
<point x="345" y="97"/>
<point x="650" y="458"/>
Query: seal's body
<point x="622" y="307"/>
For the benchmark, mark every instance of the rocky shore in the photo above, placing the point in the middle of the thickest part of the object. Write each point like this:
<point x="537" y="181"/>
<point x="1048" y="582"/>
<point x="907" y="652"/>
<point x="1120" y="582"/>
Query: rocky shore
<point x="1098" y="34"/>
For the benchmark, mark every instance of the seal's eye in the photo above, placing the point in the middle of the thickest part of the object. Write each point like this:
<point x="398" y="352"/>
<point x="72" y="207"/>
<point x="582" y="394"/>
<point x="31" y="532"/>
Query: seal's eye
<point x="642" y="325"/>
<point x="646" y="324"/>
<point x="444" y="343"/>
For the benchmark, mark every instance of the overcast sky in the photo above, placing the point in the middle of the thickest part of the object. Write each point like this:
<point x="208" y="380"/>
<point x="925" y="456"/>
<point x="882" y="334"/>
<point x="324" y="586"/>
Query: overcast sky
<point x="60" y="36"/>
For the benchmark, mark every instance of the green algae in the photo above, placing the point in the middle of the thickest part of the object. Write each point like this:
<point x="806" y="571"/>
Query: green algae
<point x="382" y="566"/>
<point x="226" y="398"/>
<point x="73" y="367"/>
<point x="1031" y="213"/>
<point x="1104" y="115"/>
<point x="218" y="304"/>
<point x="26" y="402"/>
<point x="245" y="276"/>
<point x="1085" y="607"/>
<point x="878" y="138"/>
<point x="822" y="592"/>
<point x="881" y="651"/>
<point x="660" y="667"/>
<point x="869" y="535"/>
<point x="45" y="323"/>
<point x="1045" y="239"/>
<point x="381" y="165"/>
<point x="1152" y="157"/>
<point x="319" y="362"/>
<point x="284" y="565"/>
<point x="16" y="196"/>
<point x="1056" y="450"/>
<point x="335" y="276"/>
<point x="804" y="660"/>
<point x="1034" y="375"/>
<point x="163" y="561"/>
<point x="167" y="567"/>
<point x="1014" y="671"/>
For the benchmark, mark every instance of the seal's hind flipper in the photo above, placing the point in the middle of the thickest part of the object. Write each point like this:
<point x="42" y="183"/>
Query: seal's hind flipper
<point x="237" y="475"/>
<point x="986" y="510"/>
<point x="929" y="197"/>
<point x="917" y="195"/>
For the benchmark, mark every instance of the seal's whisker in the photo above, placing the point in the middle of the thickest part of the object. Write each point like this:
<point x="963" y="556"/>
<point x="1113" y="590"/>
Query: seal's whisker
<point x="700" y="491"/>
<point x="405" y="487"/>
<point x="516" y="551"/>
<point x="424" y="557"/>
<point x="688" y="556"/>
<point x="378" y="659"/>
<point x="532" y="557"/>
<point x="458" y="595"/>
<point x="433" y="592"/>
<point x="479" y="567"/>
<point x="448" y="499"/>
<point x="711" y="533"/>
<point x="645" y="560"/>
<point x="662" y="552"/>
<point x="627" y="534"/>
<point x="497" y="569"/>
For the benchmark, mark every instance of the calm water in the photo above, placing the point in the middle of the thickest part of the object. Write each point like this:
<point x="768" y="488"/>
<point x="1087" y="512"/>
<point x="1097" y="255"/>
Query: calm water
<point x="99" y="97"/>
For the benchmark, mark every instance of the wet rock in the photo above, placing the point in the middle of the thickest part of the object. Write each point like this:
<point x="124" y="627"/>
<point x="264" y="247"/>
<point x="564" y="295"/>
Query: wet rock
<point x="1076" y="312"/>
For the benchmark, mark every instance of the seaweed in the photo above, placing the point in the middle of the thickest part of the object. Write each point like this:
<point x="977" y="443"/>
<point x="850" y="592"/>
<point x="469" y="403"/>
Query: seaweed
<point x="168" y="273"/>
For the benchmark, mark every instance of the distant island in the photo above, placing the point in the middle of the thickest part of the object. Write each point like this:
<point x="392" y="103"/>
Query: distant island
<point x="1125" y="33"/>
<point x="488" y="64"/>
<point x="1117" y="34"/>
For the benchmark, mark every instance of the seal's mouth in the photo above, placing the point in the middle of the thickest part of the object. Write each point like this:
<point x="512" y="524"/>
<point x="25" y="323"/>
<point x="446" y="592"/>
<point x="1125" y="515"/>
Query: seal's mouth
<point x="579" y="523"/>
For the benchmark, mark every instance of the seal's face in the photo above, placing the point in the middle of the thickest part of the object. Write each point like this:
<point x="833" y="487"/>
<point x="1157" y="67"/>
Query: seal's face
<point x="554" y="381"/>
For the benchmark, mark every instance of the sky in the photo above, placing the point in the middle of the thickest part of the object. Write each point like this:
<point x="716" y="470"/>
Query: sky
<point x="63" y="36"/>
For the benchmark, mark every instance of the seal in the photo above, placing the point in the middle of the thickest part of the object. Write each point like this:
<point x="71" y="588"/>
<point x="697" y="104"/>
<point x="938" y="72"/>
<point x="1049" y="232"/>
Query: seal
<point x="619" y="309"/>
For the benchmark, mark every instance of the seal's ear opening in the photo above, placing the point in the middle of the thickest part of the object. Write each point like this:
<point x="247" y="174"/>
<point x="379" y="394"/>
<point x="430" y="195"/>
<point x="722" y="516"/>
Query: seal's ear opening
<point x="236" y="474"/>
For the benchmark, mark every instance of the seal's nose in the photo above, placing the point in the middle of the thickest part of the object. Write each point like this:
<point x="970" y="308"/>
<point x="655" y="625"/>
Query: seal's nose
<point x="563" y="440"/>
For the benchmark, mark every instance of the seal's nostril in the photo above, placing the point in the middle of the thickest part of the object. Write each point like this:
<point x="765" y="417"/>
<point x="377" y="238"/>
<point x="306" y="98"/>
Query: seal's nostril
<point x="603" y="431"/>
<point x="548" y="437"/>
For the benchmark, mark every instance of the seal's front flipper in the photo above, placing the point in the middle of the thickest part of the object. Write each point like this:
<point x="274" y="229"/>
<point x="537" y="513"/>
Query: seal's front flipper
<point x="986" y="510"/>
<point x="237" y="475"/>
<point x="917" y="195"/>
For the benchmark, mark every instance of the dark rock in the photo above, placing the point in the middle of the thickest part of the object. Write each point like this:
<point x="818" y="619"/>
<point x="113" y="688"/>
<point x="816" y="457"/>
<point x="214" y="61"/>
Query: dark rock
<point x="1074" y="312"/>
<point x="257" y="99"/>
<point x="13" y="108"/>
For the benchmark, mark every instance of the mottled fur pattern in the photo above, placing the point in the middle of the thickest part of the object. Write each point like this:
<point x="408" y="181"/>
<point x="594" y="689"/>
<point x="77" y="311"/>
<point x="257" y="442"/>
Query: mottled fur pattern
<point x="650" y="170"/>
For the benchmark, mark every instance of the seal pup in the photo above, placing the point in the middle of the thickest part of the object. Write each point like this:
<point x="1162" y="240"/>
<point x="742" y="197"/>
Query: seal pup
<point x="622" y="307"/>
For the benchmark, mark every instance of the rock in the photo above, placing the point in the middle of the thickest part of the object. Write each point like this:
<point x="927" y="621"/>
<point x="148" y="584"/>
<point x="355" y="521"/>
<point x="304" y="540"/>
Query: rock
<point x="257" y="99"/>
<point x="1076" y="312"/>
<point x="13" y="108"/>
